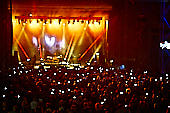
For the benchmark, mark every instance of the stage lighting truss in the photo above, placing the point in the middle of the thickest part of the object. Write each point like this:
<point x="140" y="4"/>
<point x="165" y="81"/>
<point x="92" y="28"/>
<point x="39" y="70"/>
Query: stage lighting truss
<point x="45" y="19"/>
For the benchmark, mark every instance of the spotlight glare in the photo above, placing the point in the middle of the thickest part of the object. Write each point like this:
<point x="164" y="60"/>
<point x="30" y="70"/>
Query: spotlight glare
<point x="74" y="97"/>
<point x="30" y="14"/>
<point x="87" y="22"/>
<point x="121" y="93"/>
<point x="111" y="61"/>
<point x="107" y="22"/>
<point x="5" y="88"/>
<point x="102" y="102"/>
<point x="135" y="84"/>
<point x="97" y="54"/>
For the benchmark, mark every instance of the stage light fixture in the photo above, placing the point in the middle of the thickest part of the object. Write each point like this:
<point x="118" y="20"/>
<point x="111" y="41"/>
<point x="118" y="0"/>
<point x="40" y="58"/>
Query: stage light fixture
<point x="82" y="21"/>
<point x="25" y="21"/>
<point x="30" y="14"/>
<point x="45" y="21"/>
<point x="59" y="21"/>
<point x="50" y="21"/>
<point x="30" y="21"/>
<point x="68" y="21"/>
<point x="41" y="20"/>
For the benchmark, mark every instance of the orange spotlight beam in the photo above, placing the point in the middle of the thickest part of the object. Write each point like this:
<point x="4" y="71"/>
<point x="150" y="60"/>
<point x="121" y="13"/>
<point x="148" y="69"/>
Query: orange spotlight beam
<point x="19" y="44"/>
<point x="68" y="49"/>
<point x="40" y="47"/>
<point x="92" y="44"/>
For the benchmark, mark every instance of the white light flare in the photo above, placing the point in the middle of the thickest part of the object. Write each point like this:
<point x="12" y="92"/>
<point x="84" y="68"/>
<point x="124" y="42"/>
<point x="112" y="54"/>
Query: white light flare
<point x="34" y="41"/>
<point x="50" y="41"/>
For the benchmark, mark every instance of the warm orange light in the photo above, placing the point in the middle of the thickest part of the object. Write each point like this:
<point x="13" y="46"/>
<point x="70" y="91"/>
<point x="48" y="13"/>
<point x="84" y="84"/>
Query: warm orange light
<point x="21" y="48"/>
<point x="34" y="24"/>
<point x="68" y="49"/>
<point x="95" y="28"/>
<point x="63" y="33"/>
<point x="92" y="44"/>
<point x="54" y="28"/>
<point x="98" y="48"/>
<point x="14" y="22"/>
<point x="76" y="27"/>
<point x="34" y="27"/>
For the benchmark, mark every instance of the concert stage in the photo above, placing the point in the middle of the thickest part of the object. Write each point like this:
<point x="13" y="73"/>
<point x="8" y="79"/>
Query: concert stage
<point x="76" y="37"/>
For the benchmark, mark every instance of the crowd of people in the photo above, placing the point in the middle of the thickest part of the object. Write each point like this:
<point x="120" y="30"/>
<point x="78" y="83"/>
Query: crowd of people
<point x="88" y="89"/>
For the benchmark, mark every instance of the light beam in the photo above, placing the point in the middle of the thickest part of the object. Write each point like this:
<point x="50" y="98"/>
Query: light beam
<point x="68" y="49"/>
<point x="92" y="44"/>
<point x="19" y="44"/>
